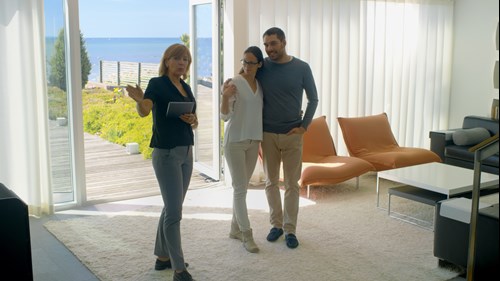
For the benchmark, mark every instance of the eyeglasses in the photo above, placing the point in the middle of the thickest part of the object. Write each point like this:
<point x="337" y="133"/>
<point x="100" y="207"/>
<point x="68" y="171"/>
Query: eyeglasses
<point x="244" y="62"/>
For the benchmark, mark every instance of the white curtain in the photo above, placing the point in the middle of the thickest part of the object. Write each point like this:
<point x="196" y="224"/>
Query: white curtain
<point x="24" y="142"/>
<point x="369" y="57"/>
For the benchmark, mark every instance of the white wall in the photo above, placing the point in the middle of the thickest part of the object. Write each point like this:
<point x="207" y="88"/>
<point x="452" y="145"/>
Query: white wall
<point x="235" y="28"/>
<point x="474" y="56"/>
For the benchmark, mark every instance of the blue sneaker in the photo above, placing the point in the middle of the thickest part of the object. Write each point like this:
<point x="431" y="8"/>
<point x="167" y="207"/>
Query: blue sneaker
<point x="274" y="234"/>
<point x="291" y="241"/>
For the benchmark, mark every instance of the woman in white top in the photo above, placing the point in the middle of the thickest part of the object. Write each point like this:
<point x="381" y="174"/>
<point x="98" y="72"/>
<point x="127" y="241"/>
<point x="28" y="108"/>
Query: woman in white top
<point x="241" y="108"/>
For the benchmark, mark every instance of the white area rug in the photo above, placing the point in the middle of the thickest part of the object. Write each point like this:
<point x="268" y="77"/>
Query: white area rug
<point x="343" y="236"/>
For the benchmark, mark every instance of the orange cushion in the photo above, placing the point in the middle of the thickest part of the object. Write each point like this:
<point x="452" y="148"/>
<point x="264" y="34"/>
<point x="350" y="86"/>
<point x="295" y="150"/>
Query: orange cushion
<point x="364" y="135"/>
<point x="334" y="169"/>
<point x="320" y="163"/>
<point x="317" y="141"/>
<point x="370" y="138"/>
<point x="401" y="157"/>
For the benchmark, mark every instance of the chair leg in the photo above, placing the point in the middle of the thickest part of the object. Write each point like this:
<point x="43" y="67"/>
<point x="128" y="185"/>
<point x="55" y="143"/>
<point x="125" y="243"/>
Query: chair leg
<point x="389" y="206"/>
<point x="378" y="184"/>
<point x="308" y="189"/>
<point x="357" y="182"/>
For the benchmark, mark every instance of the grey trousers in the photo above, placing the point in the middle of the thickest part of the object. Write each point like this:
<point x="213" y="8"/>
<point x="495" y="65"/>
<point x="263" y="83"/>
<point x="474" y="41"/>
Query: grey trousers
<point x="277" y="148"/>
<point x="241" y="159"/>
<point x="173" y="169"/>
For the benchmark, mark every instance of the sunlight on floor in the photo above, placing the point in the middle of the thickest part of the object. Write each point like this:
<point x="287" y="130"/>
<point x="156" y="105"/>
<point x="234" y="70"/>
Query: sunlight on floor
<point x="219" y="197"/>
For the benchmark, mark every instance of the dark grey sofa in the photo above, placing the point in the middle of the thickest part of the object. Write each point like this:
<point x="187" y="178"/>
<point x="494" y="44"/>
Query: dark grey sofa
<point x="444" y="145"/>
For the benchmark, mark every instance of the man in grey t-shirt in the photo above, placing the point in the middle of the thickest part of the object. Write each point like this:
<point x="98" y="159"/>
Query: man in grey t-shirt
<point x="283" y="80"/>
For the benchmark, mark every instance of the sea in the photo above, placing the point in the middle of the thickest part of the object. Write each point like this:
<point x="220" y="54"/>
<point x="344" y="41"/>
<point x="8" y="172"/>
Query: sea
<point x="144" y="50"/>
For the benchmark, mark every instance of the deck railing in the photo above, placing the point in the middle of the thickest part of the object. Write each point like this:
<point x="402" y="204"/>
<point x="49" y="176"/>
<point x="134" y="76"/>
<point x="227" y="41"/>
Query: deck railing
<point x="122" y="73"/>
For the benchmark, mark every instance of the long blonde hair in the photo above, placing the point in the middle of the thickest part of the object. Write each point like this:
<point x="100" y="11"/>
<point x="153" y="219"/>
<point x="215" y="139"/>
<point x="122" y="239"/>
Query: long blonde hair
<point x="174" y="51"/>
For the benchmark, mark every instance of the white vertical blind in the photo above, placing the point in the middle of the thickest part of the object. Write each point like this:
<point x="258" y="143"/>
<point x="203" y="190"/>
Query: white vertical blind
<point x="369" y="57"/>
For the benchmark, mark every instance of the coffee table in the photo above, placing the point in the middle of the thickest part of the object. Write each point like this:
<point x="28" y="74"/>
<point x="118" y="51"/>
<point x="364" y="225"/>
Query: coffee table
<point x="432" y="182"/>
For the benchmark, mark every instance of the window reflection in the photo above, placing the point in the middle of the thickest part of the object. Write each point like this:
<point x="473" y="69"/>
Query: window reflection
<point x="60" y="149"/>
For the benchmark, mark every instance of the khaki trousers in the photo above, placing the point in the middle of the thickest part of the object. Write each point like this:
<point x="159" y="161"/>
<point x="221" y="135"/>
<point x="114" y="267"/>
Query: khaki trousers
<point x="241" y="159"/>
<point x="277" y="148"/>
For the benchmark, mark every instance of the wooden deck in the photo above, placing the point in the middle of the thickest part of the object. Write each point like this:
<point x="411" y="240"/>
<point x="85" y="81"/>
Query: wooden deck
<point x="113" y="174"/>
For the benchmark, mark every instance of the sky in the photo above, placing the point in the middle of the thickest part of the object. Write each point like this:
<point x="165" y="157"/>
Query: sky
<point x="128" y="18"/>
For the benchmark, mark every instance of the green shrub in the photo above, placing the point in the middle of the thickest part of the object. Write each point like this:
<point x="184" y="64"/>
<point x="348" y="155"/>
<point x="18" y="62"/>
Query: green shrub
<point x="113" y="117"/>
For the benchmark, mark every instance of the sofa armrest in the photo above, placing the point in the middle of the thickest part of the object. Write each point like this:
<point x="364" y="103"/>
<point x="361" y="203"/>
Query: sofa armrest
<point x="439" y="140"/>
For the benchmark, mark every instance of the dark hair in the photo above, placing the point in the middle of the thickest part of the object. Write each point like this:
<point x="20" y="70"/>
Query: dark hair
<point x="275" y="30"/>
<point x="254" y="50"/>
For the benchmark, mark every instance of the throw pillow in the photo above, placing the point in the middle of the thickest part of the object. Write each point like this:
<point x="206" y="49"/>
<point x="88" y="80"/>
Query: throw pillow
<point x="470" y="136"/>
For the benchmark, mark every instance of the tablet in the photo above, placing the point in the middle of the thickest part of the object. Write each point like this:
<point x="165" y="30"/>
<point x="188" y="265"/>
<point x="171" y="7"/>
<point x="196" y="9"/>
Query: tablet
<point x="176" y="109"/>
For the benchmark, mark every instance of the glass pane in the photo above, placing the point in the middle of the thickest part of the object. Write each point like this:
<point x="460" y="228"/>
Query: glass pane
<point x="60" y="148"/>
<point x="202" y="85"/>
<point x="124" y="52"/>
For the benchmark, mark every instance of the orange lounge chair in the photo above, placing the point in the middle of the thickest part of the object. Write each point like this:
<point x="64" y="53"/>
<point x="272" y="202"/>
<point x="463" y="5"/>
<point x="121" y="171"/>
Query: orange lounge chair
<point x="370" y="138"/>
<point x="320" y="163"/>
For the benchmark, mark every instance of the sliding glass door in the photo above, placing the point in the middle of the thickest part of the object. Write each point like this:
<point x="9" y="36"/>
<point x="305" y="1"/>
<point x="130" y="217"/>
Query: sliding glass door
<point x="62" y="38"/>
<point x="60" y="156"/>
<point x="65" y="93"/>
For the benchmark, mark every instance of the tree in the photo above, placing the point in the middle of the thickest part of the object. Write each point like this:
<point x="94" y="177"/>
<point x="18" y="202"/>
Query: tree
<point x="57" y="76"/>
<point x="185" y="39"/>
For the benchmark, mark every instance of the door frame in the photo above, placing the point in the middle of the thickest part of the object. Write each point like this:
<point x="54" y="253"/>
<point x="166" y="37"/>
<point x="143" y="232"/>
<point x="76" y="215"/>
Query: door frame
<point x="214" y="170"/>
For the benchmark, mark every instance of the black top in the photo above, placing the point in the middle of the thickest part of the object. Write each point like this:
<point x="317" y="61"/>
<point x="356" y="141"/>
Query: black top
<point x="168" y="132"/>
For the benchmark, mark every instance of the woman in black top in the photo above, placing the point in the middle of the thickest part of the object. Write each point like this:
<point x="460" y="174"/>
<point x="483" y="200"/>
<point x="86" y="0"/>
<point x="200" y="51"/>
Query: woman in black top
<point x="172" y="143"/>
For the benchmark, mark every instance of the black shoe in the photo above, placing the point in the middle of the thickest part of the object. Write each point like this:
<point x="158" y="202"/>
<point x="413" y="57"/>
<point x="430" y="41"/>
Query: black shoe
<point x="291" y="241"/>
<point x="274" y="234"/>
<point x="182" y="276"/>
<point x="161" y="265"/>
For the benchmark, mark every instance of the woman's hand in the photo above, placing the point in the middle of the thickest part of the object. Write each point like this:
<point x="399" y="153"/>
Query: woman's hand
<point x="228" y="89"/>
<point x="135" y="93"/>
<point x="143" y="106"/>
<point x="191" y="119"/>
